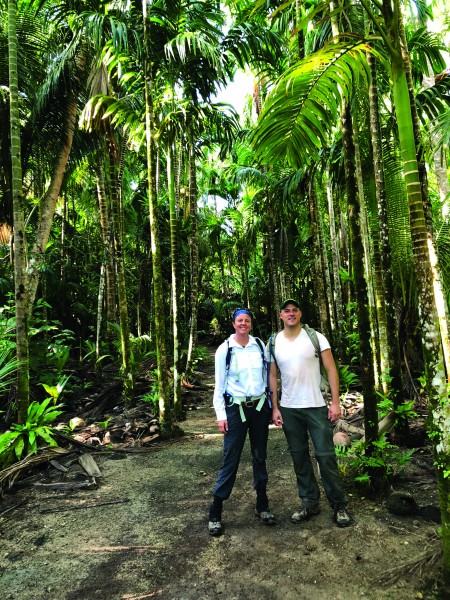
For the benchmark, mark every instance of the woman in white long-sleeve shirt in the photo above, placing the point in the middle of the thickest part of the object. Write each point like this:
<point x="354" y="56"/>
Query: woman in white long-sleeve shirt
<point x="241" y="405"/>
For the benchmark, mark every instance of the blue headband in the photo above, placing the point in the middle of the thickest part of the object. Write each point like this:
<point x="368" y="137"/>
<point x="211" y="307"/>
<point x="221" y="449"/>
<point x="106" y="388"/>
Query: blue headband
<point x="242" y="311"/>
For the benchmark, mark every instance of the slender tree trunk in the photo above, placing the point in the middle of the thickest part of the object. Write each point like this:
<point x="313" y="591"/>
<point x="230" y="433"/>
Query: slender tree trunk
<point x="357" y="251"/>
<point x="357" y="261"/>
<point x="100" y="298"/>
<point x="387" y="322"/>
<point x="193" y="243"/>
<point x="117" y="222"/>
<point x="19" y="242"/>
<point x="108" y="250"/>
<point x="330" y="327"/>
<point x="177" y="404"/>
<point x="319" y="275"/>
<point x="272" y="261"/>
<point x="165" y="412"/>
<point x="368" y="255"/>
<point x="336" y="262"/>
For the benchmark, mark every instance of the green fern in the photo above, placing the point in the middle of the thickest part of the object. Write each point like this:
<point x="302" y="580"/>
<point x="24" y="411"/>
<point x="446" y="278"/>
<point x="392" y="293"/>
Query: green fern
<point x="23" y="439"/>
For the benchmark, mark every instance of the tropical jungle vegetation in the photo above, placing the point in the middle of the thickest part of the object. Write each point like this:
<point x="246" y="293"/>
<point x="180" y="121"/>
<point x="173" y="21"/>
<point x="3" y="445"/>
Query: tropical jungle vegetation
<point x="137" y="211"/>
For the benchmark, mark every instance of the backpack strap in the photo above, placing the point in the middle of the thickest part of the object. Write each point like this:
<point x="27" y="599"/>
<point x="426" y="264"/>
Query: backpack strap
<point x="324" y="385"/>
<point x="271" y="350"/>
<point x="314" y="340"/>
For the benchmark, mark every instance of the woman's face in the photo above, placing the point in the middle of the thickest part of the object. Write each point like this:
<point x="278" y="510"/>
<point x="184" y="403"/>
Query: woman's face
<point x="242" y="324"/>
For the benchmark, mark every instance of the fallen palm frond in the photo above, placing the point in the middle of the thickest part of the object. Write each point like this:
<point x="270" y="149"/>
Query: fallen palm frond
<point x="428" y="559"/>
<point x="15" y="471"/>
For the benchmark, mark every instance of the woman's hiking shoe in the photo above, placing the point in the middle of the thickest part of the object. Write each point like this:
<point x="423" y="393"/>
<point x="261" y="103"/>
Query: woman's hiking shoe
<point x="266" y="517"/>
<point x="341" y="517"/>
<point x="305" y="513"/>
<point x="215" y="528"/>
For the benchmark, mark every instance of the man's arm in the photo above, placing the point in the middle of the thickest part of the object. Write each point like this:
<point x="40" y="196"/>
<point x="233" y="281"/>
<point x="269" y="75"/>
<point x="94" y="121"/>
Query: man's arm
<point x="273" y="383"/>
<point x="334" y="410"/>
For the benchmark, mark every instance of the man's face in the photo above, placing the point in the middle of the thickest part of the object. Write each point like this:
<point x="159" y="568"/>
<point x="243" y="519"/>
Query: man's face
<point x="291" y="315"/>
<point x="242" y="324"/>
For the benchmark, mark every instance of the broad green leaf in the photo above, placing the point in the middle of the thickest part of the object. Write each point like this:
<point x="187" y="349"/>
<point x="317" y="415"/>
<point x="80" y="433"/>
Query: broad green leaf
<point x="19" y="445"/>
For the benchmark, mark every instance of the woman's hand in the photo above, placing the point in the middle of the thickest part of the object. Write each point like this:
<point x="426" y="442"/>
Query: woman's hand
<point x="223" y="426"/>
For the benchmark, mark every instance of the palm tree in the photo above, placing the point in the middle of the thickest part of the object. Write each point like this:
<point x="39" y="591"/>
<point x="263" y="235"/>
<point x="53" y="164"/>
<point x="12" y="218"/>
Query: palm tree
<point x="18" y="221"/>
<point x="295" y="121"/>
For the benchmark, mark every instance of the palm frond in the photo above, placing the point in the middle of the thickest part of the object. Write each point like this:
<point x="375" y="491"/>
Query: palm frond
<point x="299" y="114"/>
<point x="426" y="50"/>
<point x="434" y="101"/>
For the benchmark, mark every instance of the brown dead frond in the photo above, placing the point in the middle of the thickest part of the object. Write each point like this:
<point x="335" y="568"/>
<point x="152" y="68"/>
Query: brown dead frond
<point x="17" y="470"/>
<point x="427" y="560"/>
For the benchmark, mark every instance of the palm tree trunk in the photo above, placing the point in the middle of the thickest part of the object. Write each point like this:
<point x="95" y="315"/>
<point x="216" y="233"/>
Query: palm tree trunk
<point x="357" y="252"/>
<point x="193" y="243"/>
<point x="319" y="275"/>
<point x="177" y="403"/>
<point x="387" y="323"/>
<point x="272" y="263"/>
<point x="368" y="254"/>
<point x="100" y="298"/>
<point x="338" y="305"/>
<point x="108" y="250"/>
<point x="19" y="243"/>
<point x="117" y="223"/>
<point x="165" y="412"/>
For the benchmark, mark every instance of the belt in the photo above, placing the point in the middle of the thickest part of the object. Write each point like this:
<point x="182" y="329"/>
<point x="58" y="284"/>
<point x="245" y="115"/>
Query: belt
<point x="248" y="402"/>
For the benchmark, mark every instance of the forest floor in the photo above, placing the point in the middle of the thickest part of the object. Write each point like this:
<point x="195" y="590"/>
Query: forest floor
<point x="141" y="531"/>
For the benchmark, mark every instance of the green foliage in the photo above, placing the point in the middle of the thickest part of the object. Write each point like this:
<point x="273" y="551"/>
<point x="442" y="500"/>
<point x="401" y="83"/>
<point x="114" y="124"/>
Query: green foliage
<point x="347" y="379"/>
<point x="305" y="103"/>
<point x="201" y="355"/>
<point x="54" y="391"/>
<point x="23" y="440"/>
<point x="8" y="366"/>
<point x="384" y="460"/>
<point x="351" y="334"/>
<point x="153" y="396"/>
<point x="103" y="424"/>
<point x="58" y="350"/>
<point x="345" y="276"/>
<point x="401" y="413"/>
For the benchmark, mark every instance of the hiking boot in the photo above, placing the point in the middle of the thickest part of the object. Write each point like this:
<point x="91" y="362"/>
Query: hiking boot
<point x="215" y="528"/>
<point x="266" y="517"/>
<point x="305" y="513"/>
<point x="341" y="517"/>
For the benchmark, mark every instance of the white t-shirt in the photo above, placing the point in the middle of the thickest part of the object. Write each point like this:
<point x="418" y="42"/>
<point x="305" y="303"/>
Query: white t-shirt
<point x="300" y="370"/>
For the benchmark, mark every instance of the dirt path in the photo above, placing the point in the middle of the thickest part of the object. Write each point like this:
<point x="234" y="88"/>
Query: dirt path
<point x="153" y="542"/>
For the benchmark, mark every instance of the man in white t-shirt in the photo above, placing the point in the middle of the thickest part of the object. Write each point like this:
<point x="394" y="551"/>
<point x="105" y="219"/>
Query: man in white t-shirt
<point x="302" y="410"/>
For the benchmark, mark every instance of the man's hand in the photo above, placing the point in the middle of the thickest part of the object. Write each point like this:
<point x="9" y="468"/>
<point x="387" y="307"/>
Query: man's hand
<point x="223" y="426"/>
<point x="334" y="412"/>
<point x="276" y="417"/>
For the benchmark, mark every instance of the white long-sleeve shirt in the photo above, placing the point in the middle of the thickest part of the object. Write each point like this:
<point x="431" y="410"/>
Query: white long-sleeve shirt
<point x="246" y="376"/>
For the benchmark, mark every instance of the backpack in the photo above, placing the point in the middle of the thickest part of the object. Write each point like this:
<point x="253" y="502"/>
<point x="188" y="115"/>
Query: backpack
<point x="324" y="383"/>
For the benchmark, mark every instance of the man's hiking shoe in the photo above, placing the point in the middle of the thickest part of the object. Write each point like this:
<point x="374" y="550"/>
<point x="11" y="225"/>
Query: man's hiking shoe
<point x="266" y="517"/>
<point x="305" y="513"/>
<point x="341" y="517"/>
<point x="215" y="528"/>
